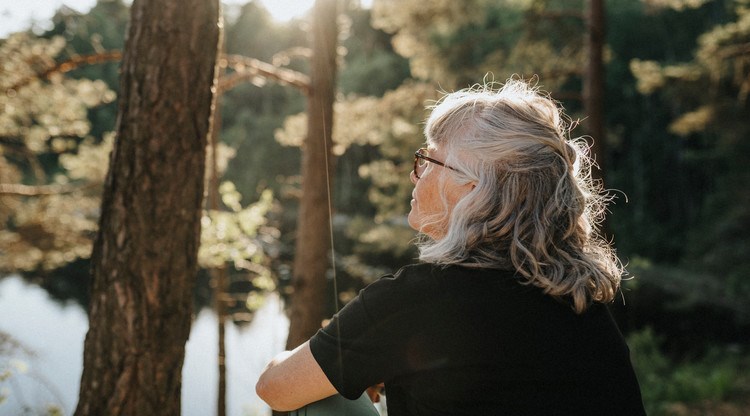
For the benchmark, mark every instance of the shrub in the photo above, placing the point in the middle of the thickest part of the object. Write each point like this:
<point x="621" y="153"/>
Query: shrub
<point x="666" y="381"/>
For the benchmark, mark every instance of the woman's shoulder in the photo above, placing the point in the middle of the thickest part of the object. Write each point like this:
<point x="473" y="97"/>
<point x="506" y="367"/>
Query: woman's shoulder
<point x="411" y="277"/>
<point x="420" y="271"/>
<point x="424" y="278"/>
<point x="421" y="274"/>
<point x="456" y="276"/>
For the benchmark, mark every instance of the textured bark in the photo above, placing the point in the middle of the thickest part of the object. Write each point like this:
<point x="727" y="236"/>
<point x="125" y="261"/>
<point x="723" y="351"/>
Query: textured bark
<point x="145" y="255"/>
<point x="313" y="244"/>
<point x="593" y="87"/>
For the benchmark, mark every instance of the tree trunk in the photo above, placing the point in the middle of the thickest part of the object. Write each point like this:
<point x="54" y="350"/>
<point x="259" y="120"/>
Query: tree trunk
<point x="313" y="244"/>
<point x="218" y="275"/>
<point x="145" y="255"/>
<point x="220" y="279"/>
<point x="593" y="87"/>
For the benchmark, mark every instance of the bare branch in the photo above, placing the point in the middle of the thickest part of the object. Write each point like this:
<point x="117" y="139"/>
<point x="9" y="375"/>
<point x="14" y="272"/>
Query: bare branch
<point x="71" y="64"/>
<point x="246" y="68"/>
<point x="17" y="189"/>
<point x="228" y="82"/>
<point x="254" y="67"/>
<point x="284" y="57"/>
<point x="733" y="51"/>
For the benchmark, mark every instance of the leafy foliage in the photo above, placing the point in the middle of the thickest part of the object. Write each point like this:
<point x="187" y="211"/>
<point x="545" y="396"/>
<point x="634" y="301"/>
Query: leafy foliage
<point x="458" y="43"/>
<point x="42" y="121"/>
<point x="708" y="97"/>
<point x="45" y="139"/>
<point x="665" y="383"/>
<point x="239" y="236"/>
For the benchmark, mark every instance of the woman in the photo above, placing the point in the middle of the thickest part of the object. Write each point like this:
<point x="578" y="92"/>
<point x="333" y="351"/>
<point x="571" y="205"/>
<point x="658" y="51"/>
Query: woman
<point x="506" y="312"/>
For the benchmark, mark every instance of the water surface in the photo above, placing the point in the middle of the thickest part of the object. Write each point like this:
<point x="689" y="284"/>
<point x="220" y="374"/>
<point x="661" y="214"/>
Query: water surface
<point x="54" y="332"/>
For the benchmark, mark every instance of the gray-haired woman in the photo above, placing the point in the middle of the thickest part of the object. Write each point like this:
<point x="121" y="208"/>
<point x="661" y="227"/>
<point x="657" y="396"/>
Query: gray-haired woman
<point x="506" y="312"/>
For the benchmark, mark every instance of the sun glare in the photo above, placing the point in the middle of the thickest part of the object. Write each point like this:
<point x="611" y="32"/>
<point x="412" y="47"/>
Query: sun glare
<point x="286" y="10"/>
<point x="19" y="15"/>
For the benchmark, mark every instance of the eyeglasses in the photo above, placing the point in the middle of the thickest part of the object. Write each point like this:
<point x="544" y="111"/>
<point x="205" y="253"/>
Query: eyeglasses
<point x="421" y="159"/>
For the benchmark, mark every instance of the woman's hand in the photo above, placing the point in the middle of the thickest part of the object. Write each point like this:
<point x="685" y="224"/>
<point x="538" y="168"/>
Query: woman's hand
<point x="374" y="392"/>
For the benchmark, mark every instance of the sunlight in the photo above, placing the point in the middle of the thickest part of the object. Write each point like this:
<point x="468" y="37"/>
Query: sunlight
<point x="16" y="16"/>
<point x="286" y="10"/>
<point x="20" y="15"/>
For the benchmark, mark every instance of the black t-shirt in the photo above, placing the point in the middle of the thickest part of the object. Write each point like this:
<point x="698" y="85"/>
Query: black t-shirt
<point x="461" y="341"/>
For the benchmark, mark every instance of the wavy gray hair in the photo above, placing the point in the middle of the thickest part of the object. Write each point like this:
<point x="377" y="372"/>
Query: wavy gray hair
<point x="535" y="208"/>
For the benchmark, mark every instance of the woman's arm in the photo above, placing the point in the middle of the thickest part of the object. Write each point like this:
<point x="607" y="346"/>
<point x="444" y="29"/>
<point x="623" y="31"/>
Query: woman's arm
<point x="293" y="379"/>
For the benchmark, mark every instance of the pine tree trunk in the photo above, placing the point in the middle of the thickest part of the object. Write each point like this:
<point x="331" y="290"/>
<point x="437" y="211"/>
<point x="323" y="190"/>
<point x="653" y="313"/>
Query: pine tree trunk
<point x="145" y="255"/>
<point x="313" y="245"/>
<point x="593" y="87"/>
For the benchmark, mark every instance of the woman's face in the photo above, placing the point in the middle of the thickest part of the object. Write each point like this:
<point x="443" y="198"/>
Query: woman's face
<point x="430" y="210"/>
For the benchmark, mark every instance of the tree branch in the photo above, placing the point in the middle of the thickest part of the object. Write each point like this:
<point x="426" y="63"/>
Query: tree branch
<point x="71" y="64"/>
<point x="733" y="51"/>
<point x="17" y="189"/>
<point x="249" y="68"/>
<point x="245" y="68"/>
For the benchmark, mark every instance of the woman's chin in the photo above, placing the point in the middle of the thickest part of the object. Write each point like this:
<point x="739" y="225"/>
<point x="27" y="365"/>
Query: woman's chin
<point x="412" y="218"/>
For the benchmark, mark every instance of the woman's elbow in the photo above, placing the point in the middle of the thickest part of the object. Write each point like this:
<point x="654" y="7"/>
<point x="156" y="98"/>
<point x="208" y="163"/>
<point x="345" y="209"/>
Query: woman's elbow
<point x="293" y="379"/>
<point x="262" y="390"/>
<point x="274" y="397"/>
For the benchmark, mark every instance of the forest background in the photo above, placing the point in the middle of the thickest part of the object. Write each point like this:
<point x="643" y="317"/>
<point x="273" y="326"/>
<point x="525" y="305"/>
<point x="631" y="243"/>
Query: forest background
<point x="675" y="157"/>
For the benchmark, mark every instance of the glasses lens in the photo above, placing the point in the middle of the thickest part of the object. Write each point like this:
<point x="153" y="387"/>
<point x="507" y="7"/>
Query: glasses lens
<point x="420" y="163"/>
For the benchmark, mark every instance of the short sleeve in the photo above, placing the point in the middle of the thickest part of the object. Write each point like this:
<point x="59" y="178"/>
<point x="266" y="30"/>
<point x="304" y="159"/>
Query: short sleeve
<point x="360" y="346"/>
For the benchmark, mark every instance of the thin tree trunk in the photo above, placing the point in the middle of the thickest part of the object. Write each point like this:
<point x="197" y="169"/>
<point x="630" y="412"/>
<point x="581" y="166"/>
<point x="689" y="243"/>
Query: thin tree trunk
<point x="219" y="275"/>
<point x="145" y="255"/>
<point x="593" y="87"/>
<point x="313" y="245"/>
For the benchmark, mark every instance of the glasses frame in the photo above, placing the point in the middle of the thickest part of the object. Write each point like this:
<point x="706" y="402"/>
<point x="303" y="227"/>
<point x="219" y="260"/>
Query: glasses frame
<point x="418" y="155"/>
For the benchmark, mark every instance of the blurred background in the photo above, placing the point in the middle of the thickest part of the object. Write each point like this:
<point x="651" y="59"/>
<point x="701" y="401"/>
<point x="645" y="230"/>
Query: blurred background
<point x="673" y="151"/>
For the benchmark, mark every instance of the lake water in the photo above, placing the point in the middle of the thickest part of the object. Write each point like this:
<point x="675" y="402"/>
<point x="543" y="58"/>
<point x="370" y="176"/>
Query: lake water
<point x="54" y="332"/>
